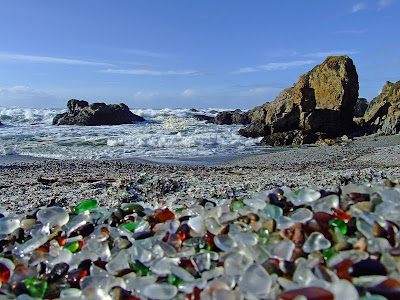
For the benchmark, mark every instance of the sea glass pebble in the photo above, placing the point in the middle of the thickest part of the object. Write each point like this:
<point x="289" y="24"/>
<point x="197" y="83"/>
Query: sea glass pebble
<point x="53" y="215"/>
<point x="85" y="205"/>
<point x="316" y="241"/>
<point x="9" y="224"/>
<point x="160" y="291"/>
<point x="256" y="281"/>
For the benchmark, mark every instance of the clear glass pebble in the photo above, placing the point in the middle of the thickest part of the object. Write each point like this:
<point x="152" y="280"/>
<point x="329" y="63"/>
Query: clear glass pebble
<point x="315" y="242"/>
<point x="54" y="215"/>
<point x="224" y="242"/>
<point x="255" y="203"/>
<point x="255" y="281"/>
<point x="9" y="224"/>
<point x="301" y="215"/>
<point x="306" y="196"/>
<point x="197" y="224"/>
<point x="160" y="291"/>
<point x="283" y="250"/>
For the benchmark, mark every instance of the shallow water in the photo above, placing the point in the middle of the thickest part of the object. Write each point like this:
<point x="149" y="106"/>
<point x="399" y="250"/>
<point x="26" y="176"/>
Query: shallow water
<point x="167" y="135"/>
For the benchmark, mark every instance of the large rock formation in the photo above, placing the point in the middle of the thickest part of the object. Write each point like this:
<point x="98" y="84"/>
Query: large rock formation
<point x="320" y="105"/>
<point x="81" y="113"/>
<point x="383" y="113"/>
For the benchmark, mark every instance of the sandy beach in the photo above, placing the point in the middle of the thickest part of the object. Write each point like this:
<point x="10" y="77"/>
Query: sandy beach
<point x="28" y="184"/>
<point x="324" y="222"/>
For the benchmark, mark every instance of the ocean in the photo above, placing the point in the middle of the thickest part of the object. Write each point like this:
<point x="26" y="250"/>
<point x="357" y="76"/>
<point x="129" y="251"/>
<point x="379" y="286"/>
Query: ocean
<point x="168" y="135"/>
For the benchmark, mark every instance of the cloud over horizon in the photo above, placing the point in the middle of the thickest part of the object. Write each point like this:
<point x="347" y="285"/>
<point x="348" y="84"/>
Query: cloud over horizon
<point x="274" y="66"/>
<point x="48" y="59"/>
<point x="151" y="72"/>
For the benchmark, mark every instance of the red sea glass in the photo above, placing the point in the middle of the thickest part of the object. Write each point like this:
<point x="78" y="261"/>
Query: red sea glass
<point x="5" y="273"/>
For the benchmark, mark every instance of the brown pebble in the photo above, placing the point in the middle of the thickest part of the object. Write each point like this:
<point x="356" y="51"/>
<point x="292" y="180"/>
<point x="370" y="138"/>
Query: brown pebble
<point x="390" y="288"/>
<point x="361" y="244"/>
<point x="295" y="234"/>
<point x="297" y="252"/>
<point x="341" y="246"/>
<point x="378" y="230"/>
<point x="364" y="206"/>
<point x="358" y="197"/>
<point x="270" y="225"/>
<point x="311" y="293"/>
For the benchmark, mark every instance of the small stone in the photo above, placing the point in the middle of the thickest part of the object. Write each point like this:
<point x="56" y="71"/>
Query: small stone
<point x="283" y="250"/>
<point x="9" y="224"/>
<point x="54" y="215"/>
<point x="316" y="241"/>
<point x="389" y="288"/>
<point x="338" y="224"/>
<point x="378" y="230"/>
<point x="367" y="267"/>
<point x="235" y="205"/>
<point x="310" y="293"/>
<point x="163" y="215"/>
<point x="197" y="224"/>
<point x="160" y="291"/>
<point x="36" y="288"/>
<point x="256" y="281"/>
<point x="85" y="205"/>
<point x="295" y="234"/>
<point x="306" y="196"/>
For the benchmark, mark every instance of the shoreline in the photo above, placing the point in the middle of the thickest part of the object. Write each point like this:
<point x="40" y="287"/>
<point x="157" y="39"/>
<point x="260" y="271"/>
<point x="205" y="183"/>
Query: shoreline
<point x="27" y="184"/>
<point x="209" y="224"/>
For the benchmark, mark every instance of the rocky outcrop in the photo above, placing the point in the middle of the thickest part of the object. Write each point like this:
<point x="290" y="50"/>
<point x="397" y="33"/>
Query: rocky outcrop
<point x="383" y="113"/>
<point x="360" y="107"/>
<point x="231" y="117"/>
<point x="203" y="118"/>
<point x="1" y="123"/>
<point x="95" y="114"/>
<point x="320" y="105"/>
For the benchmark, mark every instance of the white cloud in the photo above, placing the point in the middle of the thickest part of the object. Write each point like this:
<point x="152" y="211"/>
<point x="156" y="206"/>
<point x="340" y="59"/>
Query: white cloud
<point x="150" y="72"/>
<point x="188" y="93"/>
<point x="24" y="96"/>
<point x="48" y="59"/>
<point x="275" y="66"/>
<point x="145" y="53"/>
<point x="286" y="65"/>
<point x="358" y="7"/>
<point x="331" y="53"/>
<point x="382" y="4"/>
<point x="144" y="95"/>
<point x="246" y="70"/>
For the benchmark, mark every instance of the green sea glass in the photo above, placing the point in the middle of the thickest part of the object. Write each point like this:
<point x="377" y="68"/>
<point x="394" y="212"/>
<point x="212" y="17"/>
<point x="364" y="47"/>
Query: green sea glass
<point x="140" y="268"/>
<point x="129" y="225"/>
<point x="328" y="253"/>
<point x="85" y="205"/>
<point x="235" y="205"/>
<point x="36" y="288"/>
<point x="73" y="246"/>
<point x="174" y="280"/>
<point x="273" y="211"/>
<point x="339" y="224"/>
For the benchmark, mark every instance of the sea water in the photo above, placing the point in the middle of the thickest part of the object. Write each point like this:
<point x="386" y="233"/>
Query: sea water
<point x="167" y="134"/>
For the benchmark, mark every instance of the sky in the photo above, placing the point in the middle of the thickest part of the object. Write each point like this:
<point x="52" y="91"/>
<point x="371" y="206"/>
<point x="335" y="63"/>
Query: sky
<point x="184" y="54"/>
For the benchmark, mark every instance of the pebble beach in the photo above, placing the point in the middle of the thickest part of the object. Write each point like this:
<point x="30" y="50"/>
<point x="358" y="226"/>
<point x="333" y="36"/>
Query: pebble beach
<point x="298" y="221"/>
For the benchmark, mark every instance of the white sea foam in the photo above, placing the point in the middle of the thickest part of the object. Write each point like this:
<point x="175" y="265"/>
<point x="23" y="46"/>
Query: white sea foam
<point x="168" y="133"/>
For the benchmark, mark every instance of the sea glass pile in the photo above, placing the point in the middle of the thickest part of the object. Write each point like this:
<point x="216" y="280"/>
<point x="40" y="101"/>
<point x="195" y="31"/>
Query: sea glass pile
<point x="278" y="244"/>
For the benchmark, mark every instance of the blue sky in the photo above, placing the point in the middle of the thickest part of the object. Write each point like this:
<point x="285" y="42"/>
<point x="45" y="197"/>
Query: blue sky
<point x="153" y="54"/>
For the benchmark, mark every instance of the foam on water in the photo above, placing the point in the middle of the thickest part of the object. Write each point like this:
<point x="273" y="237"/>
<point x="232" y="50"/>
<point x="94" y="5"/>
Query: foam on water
<point x="168" y="133"/>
